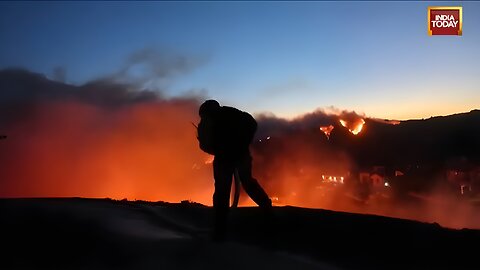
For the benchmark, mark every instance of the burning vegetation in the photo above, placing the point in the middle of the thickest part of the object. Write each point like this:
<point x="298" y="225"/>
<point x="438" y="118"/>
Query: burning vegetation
<point x="354" y="127"/>
<point x="327" y="130"/>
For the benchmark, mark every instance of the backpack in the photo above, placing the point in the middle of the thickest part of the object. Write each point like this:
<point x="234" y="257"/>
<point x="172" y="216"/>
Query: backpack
<point x="205" y="136"/>
<point x="220" y="135"/>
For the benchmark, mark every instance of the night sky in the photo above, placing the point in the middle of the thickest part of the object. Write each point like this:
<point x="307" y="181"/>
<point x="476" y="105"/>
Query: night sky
<point x="286" y="58"/>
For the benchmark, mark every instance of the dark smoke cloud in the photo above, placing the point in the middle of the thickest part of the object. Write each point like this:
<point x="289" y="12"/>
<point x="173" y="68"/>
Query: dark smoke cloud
<point x="21" y="86"/>
<point x="151" y="67"/>
<point x="162" y="64"/>
<point x="141" y="79"/>
<point x="21" y="92"/>
<point x="110" y="137"/>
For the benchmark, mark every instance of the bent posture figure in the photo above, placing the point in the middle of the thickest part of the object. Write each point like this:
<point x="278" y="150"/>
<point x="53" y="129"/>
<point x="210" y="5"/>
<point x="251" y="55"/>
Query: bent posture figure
<point x="227" y="132"/>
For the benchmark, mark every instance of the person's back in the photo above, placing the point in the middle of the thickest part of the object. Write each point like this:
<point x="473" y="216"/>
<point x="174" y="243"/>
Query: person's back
<point x="234" y="131"/>
<point x="224" y="130"/>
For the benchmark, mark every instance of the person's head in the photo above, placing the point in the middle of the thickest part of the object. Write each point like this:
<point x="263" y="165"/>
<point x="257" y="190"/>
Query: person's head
<point x="208" y="108"/>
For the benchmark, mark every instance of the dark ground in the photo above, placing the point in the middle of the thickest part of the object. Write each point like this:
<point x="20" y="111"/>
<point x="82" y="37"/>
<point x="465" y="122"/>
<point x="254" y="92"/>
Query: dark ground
<point x="74" y="233"/>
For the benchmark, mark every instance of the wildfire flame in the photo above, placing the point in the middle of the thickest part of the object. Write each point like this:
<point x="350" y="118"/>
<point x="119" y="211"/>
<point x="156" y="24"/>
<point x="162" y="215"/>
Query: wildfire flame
<point x="353" y="128"/>
<point x="327" y="130"/>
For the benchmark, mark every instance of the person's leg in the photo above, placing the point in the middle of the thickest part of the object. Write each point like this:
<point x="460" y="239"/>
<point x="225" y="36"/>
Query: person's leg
<point x="266" y="219"/>
<point x="222" y="172"/>
<point x="250" y="184"/>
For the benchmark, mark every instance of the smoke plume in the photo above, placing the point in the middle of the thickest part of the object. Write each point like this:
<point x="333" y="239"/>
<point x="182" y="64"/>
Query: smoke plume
<point x="110" y="137"/>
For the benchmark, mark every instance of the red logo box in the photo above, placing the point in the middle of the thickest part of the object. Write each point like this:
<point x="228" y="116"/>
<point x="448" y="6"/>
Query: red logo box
<point x="444" y="21"/>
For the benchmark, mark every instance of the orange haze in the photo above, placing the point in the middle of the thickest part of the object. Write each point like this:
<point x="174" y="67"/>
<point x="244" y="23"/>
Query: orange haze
<point x="142" y="151"/>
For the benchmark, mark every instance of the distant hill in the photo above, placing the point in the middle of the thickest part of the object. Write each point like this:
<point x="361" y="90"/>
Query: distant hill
<point x="437" y="141"/>
<point x="424" y="150"/>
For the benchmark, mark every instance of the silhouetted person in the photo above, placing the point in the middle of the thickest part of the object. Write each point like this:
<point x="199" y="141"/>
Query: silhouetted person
<point x="226" y="133"/>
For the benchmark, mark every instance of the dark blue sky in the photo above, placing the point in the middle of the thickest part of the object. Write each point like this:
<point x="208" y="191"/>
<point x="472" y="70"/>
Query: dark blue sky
<point x="283" y="57"/>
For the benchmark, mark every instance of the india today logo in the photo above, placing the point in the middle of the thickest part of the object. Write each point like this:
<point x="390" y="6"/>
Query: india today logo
<point x="444" y="21"/>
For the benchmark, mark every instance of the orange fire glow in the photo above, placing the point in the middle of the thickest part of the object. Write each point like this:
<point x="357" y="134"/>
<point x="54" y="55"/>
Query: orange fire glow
<point x="327" y="130"/>
<point x="141" y="151"/>
<point x="355" y="127"/>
